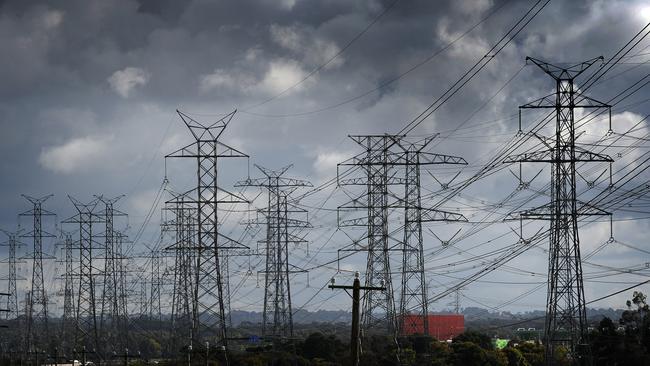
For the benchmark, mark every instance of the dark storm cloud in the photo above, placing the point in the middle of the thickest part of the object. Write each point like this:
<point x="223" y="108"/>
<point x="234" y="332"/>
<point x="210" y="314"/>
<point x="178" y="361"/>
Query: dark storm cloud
<point x="88" y="88"/>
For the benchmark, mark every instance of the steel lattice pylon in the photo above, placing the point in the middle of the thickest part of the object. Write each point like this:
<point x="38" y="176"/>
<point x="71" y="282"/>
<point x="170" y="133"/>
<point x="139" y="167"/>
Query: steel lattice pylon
<point x="208" y="311"/>
<point x="37" y="332"/>
<point x="277" y="323"/>
<point x="155" y="306"/>
<point x="120" y="239"/>
<point x="12" y="278"/>
<point x="143" y="301"/>
<point x="566" y="321"/>
<point x="112" y="316"/>
<point x="68" y="293"/>
<point x="378" y="309"/>
<point x="413" y="309"/>
<point x="86" y="329"/>
<point x="379" y="164"/>
<point x="182" y="225"/>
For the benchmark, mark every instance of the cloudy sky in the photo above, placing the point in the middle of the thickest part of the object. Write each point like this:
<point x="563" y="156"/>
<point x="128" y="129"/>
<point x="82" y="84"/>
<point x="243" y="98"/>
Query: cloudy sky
<point x="89" y="90"/>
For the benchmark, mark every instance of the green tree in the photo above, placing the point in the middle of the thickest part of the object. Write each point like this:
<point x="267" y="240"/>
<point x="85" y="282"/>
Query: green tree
<point x="467" y="353"/>
<point x="532" y="352"/>
<point x="496" y="358"/>
<point x="515" y="357"/>
<point x="478" y="339"/>
<point x="408" y="357"/>
<point x="317" y="345"/>
<point x="606" y="343"/>
<point x="636" y="320"/>
<point x="440" y="354"/>
<point x="379" y="351"/>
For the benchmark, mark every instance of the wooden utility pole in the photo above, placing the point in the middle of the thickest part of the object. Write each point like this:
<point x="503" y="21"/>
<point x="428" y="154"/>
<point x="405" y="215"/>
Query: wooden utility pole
<point x="356" y="300"/>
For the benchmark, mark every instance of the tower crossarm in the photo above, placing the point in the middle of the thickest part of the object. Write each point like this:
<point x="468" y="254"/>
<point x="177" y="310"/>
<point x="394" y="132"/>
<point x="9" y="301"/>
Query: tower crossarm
<point x="547" y="212"/>
<point x="580" y="101"/>
<point x="564" y="73"/>
<point x="203" y="131"/>
<point x="551" y="156"/>
<point x="431" y="215"/>
<point x="429" y="158"/>
<point x="221" y="151"/>
<point x="281" y="182"/>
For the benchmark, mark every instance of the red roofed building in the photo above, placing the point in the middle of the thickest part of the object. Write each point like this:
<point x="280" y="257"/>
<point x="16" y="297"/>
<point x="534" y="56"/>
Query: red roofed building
<point x="441" y="327"/>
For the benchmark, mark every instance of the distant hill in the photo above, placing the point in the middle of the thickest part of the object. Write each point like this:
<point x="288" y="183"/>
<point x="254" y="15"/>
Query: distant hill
<point x="300" y="317"/>
<point x="471" y="314"/>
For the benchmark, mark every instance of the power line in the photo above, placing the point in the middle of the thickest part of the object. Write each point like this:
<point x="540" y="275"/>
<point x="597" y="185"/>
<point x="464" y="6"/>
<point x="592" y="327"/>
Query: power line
<point x="328" y="61"/>
<point x="389" y="81"/>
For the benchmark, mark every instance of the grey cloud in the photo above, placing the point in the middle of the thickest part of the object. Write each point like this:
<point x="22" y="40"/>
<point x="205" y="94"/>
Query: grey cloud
<point x="54" y="88"/>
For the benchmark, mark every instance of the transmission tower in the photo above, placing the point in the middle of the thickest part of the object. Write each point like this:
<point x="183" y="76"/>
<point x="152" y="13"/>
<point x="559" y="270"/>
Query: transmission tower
<point x="155" y="308"/>
<point x="376" y="163"/>
<point x="86" y="329"/>
<point x="26" y="308"/>
<point x="12" y="278"/>
<point x="68" y="291"/>
<point x="143" y="301"/>
<point x="182" y="225"/>
<point x="455" y="302"/>
<point x="413" y="310"/>
<point x="277" y="323"/>
<point x="37" y="335"/>
<point x="208" y="313"/>
<point x="112" y="317"/>
<point x="566" y="320"/>
<point x="121" y="264"/>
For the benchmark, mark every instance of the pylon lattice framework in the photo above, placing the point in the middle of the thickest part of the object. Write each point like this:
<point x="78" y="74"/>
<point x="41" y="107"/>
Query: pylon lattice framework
<point x="86" y="329"/>
<point x="68" y="291"/>
<point x="143" y="301"/>
<point x="12" y="278"/>
<point x="155" y="304"/>
<point x="208" y="313"/>
<point x="378" y="309"/>
<point x="281" y="230"/>
<point x="37" y="332"/>
<point x="566" y="320"/>
<point x="413" y="308"/>
<point x="182" y="225"/>
<point x="120" y="239"/>
<point x="382" y="155"/>
<point x="112" y="316"/>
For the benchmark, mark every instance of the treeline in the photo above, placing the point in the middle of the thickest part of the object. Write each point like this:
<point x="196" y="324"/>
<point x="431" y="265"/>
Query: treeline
<point x="622" y="342"/>
<point x="625" y="341"/>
